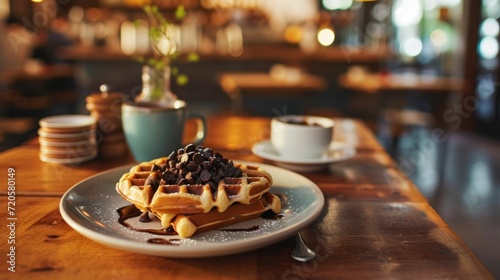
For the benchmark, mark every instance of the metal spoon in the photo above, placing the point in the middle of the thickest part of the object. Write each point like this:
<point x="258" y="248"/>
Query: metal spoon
<point x="301" y="252"/>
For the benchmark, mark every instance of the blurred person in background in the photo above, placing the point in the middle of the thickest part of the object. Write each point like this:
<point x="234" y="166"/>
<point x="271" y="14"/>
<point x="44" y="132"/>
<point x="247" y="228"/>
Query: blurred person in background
<point x="48" y="43"/>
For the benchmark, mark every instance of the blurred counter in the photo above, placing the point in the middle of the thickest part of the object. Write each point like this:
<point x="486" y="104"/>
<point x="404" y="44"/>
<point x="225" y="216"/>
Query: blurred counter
<point x="274" y="53"/>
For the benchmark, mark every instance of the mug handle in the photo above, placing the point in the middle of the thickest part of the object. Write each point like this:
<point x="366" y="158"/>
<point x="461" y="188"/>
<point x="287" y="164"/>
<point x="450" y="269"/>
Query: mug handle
<point x="201" y="128"/>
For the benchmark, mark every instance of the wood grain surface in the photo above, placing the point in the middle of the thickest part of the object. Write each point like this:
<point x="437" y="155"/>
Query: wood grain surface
<point x="375" y="225"/>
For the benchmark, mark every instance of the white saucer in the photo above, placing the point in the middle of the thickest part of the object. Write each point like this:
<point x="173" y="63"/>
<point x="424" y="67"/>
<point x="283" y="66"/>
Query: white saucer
<point x="337" y="152"/>
<point x="67" y="121"/>
<point x="82" y="134"/>
<point x="67" y="160"/>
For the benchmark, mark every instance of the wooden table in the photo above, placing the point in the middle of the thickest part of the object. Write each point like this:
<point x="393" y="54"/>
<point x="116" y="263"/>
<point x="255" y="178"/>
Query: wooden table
<point x="396" y="98"/>
<point x="376" y="224"/>
<point x="238" y="85"/>
<point x="373" y="83"/>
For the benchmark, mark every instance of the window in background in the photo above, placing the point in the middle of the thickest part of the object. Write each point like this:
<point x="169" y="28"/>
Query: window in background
<point x="427" y="36"/>
<point x="488" y="80"/>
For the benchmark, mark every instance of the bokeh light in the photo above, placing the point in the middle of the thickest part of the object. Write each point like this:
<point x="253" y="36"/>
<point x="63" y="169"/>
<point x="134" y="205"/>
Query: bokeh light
<point x="488" y="47"/>
<point x="411" y="46"/>
<point x="491" y="8"/>
<point x="439" y="38"/>
<point x="337" y="4"/>
<point x="449" y="3"/>
<point x="490" y="27"/>
<point x="407" y="12"/>
<point x="380" y="11"/>
<point x="293" y="34"/>
<point x="430" y="5"/>
<point x="326" y="36"/>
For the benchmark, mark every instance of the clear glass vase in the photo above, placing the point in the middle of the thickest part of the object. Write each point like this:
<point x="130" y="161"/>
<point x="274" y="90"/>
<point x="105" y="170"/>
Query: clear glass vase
<point x="156" y="87"/>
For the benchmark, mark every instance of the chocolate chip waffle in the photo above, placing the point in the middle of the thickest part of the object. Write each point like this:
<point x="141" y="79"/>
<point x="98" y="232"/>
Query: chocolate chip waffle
<point x="192" y="180"/>
<point x="187" y="225"/>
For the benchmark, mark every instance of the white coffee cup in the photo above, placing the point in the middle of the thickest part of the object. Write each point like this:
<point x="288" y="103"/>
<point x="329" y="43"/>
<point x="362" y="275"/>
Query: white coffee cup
<point x="301" y="137"/>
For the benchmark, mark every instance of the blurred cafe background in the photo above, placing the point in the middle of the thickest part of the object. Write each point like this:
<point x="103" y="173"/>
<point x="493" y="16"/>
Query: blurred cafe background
<point x="424" y="75"/>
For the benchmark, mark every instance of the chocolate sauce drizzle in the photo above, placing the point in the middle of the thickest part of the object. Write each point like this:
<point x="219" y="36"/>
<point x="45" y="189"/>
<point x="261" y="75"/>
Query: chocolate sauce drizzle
<point x="144" y="218"/>
<point x="270" y="215"/>
<point x="163" y="241"/>
<point x="254" y="228"/>
<point x="130" y="211"/>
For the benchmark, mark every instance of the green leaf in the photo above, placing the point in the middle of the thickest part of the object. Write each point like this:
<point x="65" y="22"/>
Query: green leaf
<point x="193" y="57"/>
<point x="174" y="71"/>
<point x="154" y="9"/>
<point x="140" y="59"/>
<point x="180" y="12"/>
<point x="182" y="79"/>
<point x="151" y="62"/>
<point x="174" y="55"/>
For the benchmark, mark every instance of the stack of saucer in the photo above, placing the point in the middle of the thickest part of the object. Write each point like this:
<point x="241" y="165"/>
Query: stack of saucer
<point x="105" y="107"/>
<point x="67" y="139"/>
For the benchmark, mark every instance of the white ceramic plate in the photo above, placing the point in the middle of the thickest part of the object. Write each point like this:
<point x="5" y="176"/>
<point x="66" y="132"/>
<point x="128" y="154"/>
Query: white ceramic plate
<point x="90" y="207"/>
<point x="67" y="121"/>
<point x="337" y="152"/>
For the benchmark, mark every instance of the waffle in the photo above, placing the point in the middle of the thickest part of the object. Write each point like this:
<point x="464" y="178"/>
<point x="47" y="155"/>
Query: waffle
<point x="187" y="225"/>
<point x="143" y="187"/>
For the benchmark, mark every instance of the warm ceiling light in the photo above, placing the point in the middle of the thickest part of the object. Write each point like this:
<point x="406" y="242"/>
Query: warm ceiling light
<point x="326" y="36"/>
<point x="37" y="1"/>
<point x="293" y="34"/>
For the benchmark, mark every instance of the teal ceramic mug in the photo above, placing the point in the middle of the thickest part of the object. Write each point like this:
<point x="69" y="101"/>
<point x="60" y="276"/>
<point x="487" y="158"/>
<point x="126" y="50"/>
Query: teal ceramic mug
<point x="153" y="131"/>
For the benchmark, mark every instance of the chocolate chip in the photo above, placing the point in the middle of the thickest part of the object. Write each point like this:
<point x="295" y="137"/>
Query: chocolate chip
<point x="180" y="165"/>
<point x="215" y="162"/>
<point x="189" y="148"/>
<point x="144" y="218"/>
<point x="198" y="158"/>
<point x="205" y="175"/>
<point x="192" y="165"/>
<point x="239" y="173"/>
<point x="184" y="171"/>
<point x="206" y="165"/>
<point x="207" y="153"/>
<point x="172" y="156"/>
<point x="215" y="178"/>
<point x="169" y="176"/>
<point x="155" y="167"/>
<point x="221" y="173"/>
<point x="152" y="182"/>
<point x="196" y="165"/>
<point x="198" y="169"/>
<point x="185" y="158"/>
